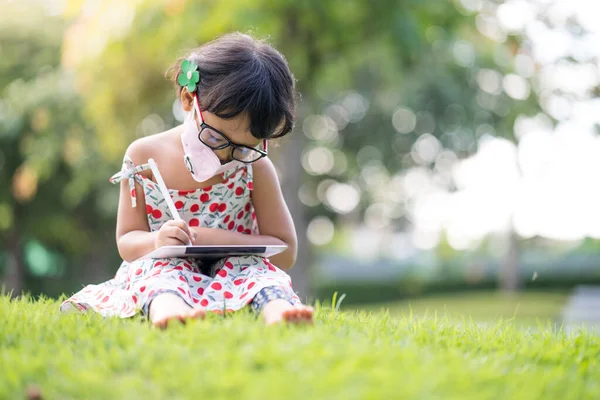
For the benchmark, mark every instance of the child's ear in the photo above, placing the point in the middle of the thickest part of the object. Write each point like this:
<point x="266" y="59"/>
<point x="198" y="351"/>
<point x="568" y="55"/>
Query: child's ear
<point x="187" y="100"/>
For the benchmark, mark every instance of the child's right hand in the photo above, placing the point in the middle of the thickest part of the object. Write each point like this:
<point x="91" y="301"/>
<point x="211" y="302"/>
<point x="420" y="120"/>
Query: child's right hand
<point x="173" y="233"/>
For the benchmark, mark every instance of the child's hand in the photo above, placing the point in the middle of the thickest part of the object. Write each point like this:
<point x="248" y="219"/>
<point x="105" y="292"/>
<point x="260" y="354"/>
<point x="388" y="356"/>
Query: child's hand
<point x="173" y="233"/>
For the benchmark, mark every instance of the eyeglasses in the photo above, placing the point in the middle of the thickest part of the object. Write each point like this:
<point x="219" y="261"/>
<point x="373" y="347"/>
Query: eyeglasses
<point x="216" y="140"/>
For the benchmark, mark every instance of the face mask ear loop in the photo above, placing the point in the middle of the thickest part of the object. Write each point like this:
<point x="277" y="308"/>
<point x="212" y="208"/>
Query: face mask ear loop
<point x="197" y="109"/>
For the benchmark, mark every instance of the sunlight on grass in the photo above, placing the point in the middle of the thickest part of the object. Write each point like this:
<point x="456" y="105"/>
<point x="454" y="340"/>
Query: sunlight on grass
<point x="528" y="308"/>
<point x="346" y="355"/>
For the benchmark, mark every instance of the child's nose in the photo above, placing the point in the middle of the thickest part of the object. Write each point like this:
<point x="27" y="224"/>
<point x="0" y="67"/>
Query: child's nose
<point x="224" y="154"/>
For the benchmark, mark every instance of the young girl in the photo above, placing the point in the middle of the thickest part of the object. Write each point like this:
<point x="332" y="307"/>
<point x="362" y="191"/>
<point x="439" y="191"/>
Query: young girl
<point x="238" y="93"/>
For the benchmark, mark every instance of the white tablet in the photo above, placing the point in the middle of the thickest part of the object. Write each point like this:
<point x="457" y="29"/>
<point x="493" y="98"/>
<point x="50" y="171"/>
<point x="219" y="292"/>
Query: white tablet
<point x="212" y="252"/>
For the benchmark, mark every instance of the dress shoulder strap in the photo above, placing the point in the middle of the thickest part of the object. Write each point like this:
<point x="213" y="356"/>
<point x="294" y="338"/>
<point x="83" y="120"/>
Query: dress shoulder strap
<point x="128" y="171"/>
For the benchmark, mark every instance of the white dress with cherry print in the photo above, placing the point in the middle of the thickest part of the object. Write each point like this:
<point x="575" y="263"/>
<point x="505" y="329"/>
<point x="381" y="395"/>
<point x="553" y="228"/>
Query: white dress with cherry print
<point x="226" y="205"/>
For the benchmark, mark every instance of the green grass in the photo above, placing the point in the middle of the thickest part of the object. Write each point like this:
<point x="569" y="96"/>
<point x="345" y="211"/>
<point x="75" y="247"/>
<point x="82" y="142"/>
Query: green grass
<point x="524" y="309"/>
<point x="346" y="355"/>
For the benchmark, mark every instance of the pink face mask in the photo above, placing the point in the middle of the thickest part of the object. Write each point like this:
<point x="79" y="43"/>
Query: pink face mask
<point x="201" y="160"/>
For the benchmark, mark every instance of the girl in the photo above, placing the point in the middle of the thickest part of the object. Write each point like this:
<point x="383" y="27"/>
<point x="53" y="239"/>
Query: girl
<point x="238" y="93"/>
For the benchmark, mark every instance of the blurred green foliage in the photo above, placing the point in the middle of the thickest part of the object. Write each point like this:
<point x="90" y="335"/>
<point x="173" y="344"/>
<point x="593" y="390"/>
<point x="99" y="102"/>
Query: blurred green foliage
<point x="47" y="149"/>
<point x="76" y="89"/>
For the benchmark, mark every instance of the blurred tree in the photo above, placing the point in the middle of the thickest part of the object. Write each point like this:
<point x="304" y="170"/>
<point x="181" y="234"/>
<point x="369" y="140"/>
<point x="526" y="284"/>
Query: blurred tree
<point x="44" y="147"/>
<point x="375" y="78"/>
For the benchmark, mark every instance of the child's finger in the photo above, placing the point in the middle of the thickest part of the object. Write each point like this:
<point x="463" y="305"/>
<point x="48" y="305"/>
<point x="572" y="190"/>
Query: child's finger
<point x="176" y="222"/>
<point x="187" y="229"/>
<point x="184" y="226"/>
<point x="179" y="234"/>
<point x="171" y="242"/>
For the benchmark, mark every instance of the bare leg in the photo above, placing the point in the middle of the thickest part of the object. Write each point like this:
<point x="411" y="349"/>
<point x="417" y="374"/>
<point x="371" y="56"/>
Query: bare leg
<point x="167" y="306"/>
<point x="281" y="310"/>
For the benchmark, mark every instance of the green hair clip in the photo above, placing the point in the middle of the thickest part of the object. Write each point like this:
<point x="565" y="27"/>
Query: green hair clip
<point x="189" y="76"/>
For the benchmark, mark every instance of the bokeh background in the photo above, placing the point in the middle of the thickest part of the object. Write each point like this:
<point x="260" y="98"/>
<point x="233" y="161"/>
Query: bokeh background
<point x="445" y="157"/>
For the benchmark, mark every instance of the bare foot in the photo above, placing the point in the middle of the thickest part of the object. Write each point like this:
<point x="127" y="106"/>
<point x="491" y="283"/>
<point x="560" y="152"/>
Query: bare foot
<point x="299" y="315"/>
<point x="197" y="313"/>
<point x="168" y="307"/>
<point x="277" y="311"/>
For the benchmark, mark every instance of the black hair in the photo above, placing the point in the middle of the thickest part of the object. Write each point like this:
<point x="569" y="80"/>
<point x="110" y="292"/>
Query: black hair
<point x="240" y="74"/>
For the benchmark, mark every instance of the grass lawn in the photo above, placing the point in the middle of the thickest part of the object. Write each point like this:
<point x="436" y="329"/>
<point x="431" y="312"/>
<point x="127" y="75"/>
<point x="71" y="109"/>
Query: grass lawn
<point x="523" y="309"/>
<point x="346" y="355"/>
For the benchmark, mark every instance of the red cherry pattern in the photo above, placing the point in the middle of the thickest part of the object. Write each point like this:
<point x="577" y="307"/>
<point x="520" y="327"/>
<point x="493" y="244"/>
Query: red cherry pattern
<point x="238" y="279"/>
<point x="156" y="214"/>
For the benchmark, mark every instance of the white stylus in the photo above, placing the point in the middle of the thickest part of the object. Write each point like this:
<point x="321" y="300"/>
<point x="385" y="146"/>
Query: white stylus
<point x="163" y="189"/>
